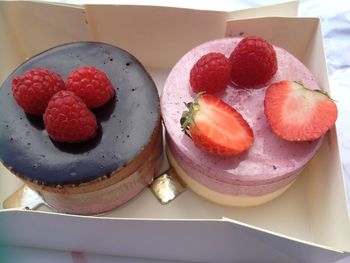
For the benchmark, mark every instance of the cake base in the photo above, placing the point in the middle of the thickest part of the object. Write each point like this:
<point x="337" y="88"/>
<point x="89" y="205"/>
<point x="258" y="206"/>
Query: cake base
<point x="219" y="198"/>
<point x="104" y="195"/>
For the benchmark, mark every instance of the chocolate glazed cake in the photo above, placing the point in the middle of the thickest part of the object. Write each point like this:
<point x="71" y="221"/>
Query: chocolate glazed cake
<point x="100" y="174"/>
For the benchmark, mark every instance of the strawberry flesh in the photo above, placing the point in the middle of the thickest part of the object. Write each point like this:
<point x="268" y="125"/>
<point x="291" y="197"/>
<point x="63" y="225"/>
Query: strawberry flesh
<point x="215" y="127"/>
<point x="296" y="113"/>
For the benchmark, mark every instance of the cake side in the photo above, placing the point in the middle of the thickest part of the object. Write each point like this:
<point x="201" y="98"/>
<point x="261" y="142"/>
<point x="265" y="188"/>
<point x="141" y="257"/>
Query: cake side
<point x="209" y="192"/>
<point x="244" y="188"/>
<point x="151" y="154"/>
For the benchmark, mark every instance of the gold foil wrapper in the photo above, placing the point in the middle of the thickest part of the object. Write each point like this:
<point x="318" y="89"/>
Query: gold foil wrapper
<point x="24" y="198"/>
<point x="167" y="186"/>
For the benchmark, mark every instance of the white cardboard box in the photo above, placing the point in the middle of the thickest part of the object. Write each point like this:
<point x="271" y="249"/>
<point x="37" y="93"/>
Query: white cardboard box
<point x="309" y="223"/>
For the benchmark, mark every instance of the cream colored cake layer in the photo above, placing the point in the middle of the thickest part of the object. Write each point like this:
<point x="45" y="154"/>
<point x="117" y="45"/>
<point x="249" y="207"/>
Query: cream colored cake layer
<point x="223" y="199"/>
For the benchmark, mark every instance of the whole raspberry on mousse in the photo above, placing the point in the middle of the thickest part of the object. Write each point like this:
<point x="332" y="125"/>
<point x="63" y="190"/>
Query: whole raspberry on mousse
<point x="67" y="118"/>
<point x="91" y="85"/>
<point x="211" y="73"/>
<point x="33" y="90"/>
<point x="253" y="62"/>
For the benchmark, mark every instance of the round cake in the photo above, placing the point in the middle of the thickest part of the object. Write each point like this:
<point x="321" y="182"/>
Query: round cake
<point x="250" y="178"/>
<point x="99" y="174"/>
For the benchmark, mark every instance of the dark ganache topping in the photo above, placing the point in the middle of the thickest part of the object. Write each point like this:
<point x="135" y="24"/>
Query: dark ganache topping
<point x="126" y="122"/>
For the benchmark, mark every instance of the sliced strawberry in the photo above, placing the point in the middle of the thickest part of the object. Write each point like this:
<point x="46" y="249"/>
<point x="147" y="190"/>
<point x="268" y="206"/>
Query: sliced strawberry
<point x="296" y="113"/>
<point x="215" y="127"/>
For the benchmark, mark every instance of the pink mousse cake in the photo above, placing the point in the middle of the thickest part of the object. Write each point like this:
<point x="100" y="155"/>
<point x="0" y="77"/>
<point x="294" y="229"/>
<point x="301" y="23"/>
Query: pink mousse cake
<point x="256" y="176"/>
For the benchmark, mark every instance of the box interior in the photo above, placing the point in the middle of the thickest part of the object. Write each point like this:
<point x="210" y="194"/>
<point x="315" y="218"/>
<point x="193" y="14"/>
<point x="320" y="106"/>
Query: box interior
<point x="312" y="210"/>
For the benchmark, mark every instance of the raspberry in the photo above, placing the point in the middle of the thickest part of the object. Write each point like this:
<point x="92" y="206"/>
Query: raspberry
<point x="67" y="119"/>
<point x="91" y="85"/>
<point x="211" y="73"/>
<point x="33" y="90"/>
<point x="253" y="62"/>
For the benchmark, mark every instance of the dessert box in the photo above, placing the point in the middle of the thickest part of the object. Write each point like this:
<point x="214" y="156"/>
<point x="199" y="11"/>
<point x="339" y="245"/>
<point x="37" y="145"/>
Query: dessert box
<point x="308" y="223"/>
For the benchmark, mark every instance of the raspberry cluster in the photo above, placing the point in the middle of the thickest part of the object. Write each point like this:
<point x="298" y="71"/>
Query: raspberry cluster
<point x="251" y="64"/>
<point x="65" y="107"/>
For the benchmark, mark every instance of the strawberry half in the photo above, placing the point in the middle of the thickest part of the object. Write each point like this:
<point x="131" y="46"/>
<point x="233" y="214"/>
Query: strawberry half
<point x="215" y="127"/>
<point x="296" y="113"/>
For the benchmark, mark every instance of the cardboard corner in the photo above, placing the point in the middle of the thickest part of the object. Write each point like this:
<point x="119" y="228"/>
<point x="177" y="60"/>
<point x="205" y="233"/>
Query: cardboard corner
<point x="287" y="9"/>
<point x="29" y="28"/>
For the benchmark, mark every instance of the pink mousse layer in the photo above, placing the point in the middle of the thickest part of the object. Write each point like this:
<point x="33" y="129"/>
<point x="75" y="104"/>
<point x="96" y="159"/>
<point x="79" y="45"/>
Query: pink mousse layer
<point x="229" y="188"/>
<point x="270" y="161"/>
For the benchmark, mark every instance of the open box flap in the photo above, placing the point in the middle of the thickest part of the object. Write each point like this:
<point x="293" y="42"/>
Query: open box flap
<point x="287" y="9"/>
<point x="61" y="23"/>
<point x="188" y="240"/>
<point x="209" y="241"/>
<point x="299" y="250"/>
<point x="151" y="32"/>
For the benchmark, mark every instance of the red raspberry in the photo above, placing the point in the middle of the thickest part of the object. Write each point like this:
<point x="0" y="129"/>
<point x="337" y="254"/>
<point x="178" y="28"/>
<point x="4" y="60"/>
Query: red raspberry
<point x="211" y="73"/>
<point x="33" y="90"/>
<point x="253" y="62"/>
<point x="91" y="85"/>
<point x="67" y="119"/>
